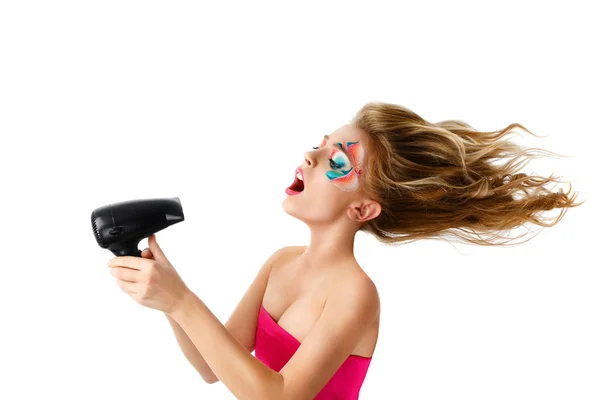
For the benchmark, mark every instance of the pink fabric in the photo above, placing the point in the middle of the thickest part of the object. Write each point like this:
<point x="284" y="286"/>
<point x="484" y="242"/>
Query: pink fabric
<point x="275" y="346"/>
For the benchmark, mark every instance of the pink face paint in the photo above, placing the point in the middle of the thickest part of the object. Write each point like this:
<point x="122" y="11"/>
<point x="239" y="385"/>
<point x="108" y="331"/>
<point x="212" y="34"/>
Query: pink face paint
<point x="346" y="165"/>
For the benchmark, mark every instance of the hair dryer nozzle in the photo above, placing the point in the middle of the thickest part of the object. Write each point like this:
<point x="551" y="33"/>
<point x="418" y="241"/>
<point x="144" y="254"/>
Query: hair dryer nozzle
<point x="119" y="227"/>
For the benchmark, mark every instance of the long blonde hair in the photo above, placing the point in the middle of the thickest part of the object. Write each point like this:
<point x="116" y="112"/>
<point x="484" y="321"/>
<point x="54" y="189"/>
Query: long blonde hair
<point x="438" y="179"/>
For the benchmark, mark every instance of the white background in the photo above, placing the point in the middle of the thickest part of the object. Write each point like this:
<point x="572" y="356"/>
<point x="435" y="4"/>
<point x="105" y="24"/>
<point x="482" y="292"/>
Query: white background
<point x="216" y="103"/>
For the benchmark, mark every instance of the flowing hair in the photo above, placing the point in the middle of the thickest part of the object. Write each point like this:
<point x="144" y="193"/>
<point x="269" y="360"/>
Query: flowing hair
<point x="443" y="179"/>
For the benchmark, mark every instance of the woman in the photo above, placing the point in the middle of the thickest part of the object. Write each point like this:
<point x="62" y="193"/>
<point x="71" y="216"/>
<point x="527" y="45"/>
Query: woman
<point x="312" y="314"/>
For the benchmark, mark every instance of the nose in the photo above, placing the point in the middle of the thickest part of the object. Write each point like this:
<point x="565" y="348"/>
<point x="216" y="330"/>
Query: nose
<point x="309" y="158"/>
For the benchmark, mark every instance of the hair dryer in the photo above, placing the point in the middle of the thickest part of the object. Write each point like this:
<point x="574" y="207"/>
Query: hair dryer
<point x="119" y="227"/>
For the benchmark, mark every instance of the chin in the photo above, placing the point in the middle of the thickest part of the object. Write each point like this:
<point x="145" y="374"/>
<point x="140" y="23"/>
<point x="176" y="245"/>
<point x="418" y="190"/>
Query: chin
<point x="294" y="209"/>
<point x="287" y="207"/>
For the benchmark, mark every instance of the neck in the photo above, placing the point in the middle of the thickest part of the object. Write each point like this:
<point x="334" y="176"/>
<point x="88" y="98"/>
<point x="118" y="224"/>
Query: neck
<point x="330" y="245"/>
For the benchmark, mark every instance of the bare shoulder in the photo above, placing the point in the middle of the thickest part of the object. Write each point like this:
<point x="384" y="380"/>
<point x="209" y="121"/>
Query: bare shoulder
<point x="363" y="286"/>
<point x="286" y="253"/>
<point x="357" y="290"/>
<point x="293" y="249"/>
<point x="297" y="249"/>
<point x="359" y="279"/>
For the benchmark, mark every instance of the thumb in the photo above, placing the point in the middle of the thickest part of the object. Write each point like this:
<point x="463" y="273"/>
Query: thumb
<point x="155" y="248"/>
<point x="146" y="253"/>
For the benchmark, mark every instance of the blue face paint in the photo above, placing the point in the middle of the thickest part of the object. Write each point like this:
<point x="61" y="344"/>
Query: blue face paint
<point x="346" y="164"/>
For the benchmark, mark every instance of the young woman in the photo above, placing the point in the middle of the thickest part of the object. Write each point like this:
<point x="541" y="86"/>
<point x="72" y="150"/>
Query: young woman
<point x="311" y="315"/>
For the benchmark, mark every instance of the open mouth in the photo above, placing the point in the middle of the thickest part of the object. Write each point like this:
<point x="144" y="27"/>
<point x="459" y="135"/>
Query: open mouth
<point x="297" y="186"/>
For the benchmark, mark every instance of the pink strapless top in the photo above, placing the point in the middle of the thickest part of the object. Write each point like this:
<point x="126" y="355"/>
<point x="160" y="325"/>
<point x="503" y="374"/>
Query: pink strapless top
<point x="275" y="346"/>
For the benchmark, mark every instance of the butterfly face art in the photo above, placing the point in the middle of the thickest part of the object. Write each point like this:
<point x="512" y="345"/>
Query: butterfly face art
<point x="346" y="161"/>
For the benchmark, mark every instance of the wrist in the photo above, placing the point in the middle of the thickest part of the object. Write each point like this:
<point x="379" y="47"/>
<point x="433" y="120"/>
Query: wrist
<point x="184" y="301"/>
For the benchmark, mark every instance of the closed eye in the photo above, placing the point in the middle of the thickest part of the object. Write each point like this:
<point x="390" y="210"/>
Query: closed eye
<point x="332" y="163"/>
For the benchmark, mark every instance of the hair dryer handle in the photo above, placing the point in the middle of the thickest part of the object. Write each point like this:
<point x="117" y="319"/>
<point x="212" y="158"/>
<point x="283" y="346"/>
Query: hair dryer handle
<point x="127" y="249"/>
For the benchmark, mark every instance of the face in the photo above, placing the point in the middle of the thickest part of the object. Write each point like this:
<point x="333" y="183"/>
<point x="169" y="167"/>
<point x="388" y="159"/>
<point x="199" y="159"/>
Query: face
<point x="332" y="177"/>
<point x="345" y="160"/>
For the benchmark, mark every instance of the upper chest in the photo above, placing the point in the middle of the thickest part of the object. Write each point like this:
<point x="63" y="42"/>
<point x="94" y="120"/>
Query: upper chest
<point x="295" y="296"/>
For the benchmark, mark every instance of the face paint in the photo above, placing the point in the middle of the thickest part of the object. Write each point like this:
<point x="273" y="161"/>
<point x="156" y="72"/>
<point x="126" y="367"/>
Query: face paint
<point x="347" y="166"/>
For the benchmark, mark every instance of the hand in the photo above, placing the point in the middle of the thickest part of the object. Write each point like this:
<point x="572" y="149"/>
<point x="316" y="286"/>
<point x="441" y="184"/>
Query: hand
<point x="150" y="280"/>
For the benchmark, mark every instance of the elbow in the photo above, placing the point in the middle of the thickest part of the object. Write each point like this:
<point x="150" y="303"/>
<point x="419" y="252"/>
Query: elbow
<point x="275" y="388"/>
<point x="211" y="380"/>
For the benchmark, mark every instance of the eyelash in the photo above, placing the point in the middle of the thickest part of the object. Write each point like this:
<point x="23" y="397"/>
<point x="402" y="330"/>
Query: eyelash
<point x="336" y="165"/>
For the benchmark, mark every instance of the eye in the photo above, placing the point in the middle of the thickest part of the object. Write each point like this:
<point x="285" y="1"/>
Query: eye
<point x="334" y="164"/>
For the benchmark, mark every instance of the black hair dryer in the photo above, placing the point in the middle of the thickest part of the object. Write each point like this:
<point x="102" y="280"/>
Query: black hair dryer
<point x="119" y="227"/>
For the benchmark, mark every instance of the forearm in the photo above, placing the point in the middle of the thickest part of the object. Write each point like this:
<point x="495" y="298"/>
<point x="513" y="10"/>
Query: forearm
<point x="191" y="352"/>
<point x="244" y="375"/>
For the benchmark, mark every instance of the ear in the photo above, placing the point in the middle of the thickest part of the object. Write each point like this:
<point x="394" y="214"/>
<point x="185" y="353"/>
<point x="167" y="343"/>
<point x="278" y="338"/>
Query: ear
<point x="364" y="211"/>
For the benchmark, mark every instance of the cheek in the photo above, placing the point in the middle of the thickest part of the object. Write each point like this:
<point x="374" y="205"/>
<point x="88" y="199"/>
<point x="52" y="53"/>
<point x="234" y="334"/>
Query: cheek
<point x="346" y="182"/>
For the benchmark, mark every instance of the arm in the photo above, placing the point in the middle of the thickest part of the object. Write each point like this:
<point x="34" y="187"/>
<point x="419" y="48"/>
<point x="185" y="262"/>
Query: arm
<point x="337" y="332"/>
<point x="241" y="323"/>
<point x="191" y="352"/>
<point x="187" y="347"/>
<point x="243" y="374"/>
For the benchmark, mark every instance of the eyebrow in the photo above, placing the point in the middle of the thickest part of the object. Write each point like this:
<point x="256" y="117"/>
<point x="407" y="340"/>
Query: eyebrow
<point x="342" y="149"/>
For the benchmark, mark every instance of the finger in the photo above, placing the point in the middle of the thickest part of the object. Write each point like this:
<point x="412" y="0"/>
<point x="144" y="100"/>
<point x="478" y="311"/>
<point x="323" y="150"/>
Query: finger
<point x="153" y="244"/>
<point x="127" y="261"/>
<point x="146" y="253"/>
<point x="127" y="287"/>
<point x="125" y="274"/>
